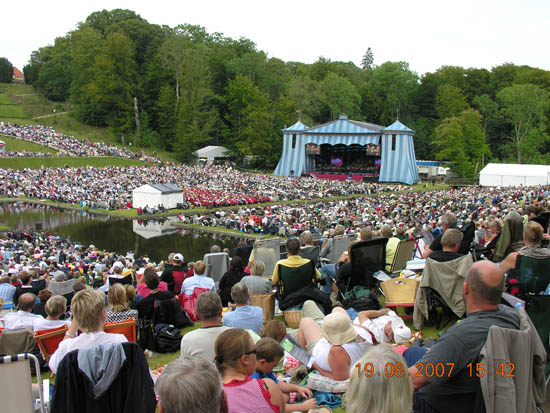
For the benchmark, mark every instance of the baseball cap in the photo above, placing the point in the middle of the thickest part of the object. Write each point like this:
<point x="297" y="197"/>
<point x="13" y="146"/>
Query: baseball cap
<point x="178" y="257"/>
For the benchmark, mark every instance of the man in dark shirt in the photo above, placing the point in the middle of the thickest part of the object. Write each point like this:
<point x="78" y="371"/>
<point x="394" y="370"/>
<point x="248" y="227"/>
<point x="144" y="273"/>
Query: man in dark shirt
<point x="450" y="241"/>
<point x="448" y="221"/>
<point x="455" y="386"/>
<point x="26" y="286"/>
<point x="168" y="274"/>
<point x="146" y="306"/>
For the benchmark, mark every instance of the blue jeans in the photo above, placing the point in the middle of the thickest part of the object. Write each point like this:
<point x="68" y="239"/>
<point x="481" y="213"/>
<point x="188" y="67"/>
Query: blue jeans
<point x="328" y="273"/>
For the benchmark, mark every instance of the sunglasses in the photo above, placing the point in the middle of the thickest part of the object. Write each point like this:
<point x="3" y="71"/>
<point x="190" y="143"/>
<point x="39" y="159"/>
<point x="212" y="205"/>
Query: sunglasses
<point x="250" y="352"/>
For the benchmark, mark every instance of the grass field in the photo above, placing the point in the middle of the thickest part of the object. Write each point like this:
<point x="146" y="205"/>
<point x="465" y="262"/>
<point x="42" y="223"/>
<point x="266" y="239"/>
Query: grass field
<point x="10" y="110"/>
<point x="38" y="163"/>
<point x="13" y="144"/>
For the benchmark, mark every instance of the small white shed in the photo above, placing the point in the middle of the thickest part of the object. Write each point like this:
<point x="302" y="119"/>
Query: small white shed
<point x="502" y="174"/>
<point x="155" y="195"/>
<point x="153" y="228"/>
<point x="211" y="153"/>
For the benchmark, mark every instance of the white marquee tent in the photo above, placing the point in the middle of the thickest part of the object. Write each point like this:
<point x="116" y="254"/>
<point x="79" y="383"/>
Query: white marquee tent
<point x="154" y="195"/>
<point x="210" y="153"/>
<point x="499" y="174"/>
<point x="150" y="228"/>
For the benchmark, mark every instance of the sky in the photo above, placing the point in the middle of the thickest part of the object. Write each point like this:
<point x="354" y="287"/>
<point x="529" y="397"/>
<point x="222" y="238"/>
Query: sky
<point x="427" y="34"/>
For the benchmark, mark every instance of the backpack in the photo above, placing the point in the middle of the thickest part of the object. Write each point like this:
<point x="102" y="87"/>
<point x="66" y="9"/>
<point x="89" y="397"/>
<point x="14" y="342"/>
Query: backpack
<point x="168" y="339"/>
<point x="361" y="299"/>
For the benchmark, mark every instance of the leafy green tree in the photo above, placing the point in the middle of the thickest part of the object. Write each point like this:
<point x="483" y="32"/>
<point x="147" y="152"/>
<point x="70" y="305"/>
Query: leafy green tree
<point x="166" y="106"/>
<point x="367" y="62"/>
<point x="305" y="93"/>
<point x="54" y="79"/>
<point x="523" y="107"/>
<point x="115" y="83"/>
<point x="450" y="101"/>
<point x="147" y="137"/>
<point x="340" y="96"/>
<point x="396" y="84"/>
<point x="6" y="70"/>
<point x="461" y="141"/>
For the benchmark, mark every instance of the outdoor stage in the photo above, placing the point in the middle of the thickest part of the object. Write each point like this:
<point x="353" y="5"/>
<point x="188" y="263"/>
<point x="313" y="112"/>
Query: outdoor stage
<point x="342" y="177"/>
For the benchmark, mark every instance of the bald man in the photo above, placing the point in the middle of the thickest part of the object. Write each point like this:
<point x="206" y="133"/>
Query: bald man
<point x="24" y="316"/>
<point x="456" y="389"/>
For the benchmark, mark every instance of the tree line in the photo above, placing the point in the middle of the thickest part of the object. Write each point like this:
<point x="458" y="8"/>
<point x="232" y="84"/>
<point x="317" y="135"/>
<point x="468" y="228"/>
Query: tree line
<point x="182" y="88"/>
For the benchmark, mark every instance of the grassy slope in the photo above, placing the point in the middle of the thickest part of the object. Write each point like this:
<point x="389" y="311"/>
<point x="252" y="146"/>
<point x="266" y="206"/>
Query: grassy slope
<point x="13" y="144"/>
<point x="27" y="104"/>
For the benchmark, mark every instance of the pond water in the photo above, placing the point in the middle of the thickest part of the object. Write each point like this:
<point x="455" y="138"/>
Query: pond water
<point x="155" y="238"/>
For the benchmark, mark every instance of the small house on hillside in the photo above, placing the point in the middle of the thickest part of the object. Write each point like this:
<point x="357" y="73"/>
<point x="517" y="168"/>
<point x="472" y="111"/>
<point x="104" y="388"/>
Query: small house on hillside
<point x="18" y="76"/>
<point x="155" y="195"/>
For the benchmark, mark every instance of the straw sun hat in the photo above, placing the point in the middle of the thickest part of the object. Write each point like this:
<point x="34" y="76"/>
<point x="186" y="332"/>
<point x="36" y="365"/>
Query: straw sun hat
<point x="337" y="329"/>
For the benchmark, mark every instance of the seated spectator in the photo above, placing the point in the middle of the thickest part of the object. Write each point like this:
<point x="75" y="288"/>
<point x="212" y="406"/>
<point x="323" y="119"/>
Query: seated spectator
<point x="378" y="392"/>
<point x="179" y="266"/>
<point x="143" y="291"/>
<point x="532" y="237"/>
<point x="192" y="385"/>
<point x="37" y="282"/>
<point x="200" y="342"/>
<point x="365" y="234"/>
<point x="336" y="346"/>
<point x="55" y="307"/>
<point x="461" y="345"/>
<point x="7" y="291"/>
<point x="147" y="305"/>
<point x="119" y="308"/>
<point x="448" y="221"/>
<point x="199" y="280"/>
<point x="89" y="315"/>
<point x="131" y="295"/>
<point x="230" y="278"/>
<point x="243" y="316"/>
<point x="309" y="251"/>
<point x="40" y="307"/>
<point x="25" y="287"/>
<point x="24" y="316"/>
<point x="268" y="354"/>
<point x="236" y="361"/>
<point x="450" y="241"/>
<point x="391" y="246"/>
<point x="256" y="281"/>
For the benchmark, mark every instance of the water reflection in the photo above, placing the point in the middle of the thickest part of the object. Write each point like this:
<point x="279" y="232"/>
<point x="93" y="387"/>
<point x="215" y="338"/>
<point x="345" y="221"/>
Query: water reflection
<point x="155" y="238"/>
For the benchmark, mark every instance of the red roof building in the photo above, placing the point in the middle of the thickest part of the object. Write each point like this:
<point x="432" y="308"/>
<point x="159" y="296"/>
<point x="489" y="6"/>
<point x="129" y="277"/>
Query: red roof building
<point x="18" y="76"/>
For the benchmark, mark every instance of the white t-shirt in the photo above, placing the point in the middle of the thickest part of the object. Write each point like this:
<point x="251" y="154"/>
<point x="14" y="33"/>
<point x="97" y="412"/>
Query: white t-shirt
<point x="43" y="324"/>
<point x="84" y="340"/>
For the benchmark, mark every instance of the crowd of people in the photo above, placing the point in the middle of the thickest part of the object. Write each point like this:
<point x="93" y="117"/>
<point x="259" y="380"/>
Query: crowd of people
<point x="24" y="154"/>
<point x="210" y="186"/>
<point x="69" y="145"/>
<point x="238" y="353"/>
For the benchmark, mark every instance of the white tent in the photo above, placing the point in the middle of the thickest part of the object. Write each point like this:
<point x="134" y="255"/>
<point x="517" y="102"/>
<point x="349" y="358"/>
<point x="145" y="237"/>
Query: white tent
<point x="2" y="146"/>
<point x="500" y="174"/>
<point x="155" y="195"/>
<point x="210" y="153"/>
<point x="150" y="228"/>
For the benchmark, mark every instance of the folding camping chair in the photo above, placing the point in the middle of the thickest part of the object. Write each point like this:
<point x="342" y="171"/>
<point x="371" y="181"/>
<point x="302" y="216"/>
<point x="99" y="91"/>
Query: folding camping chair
<point x="48" y="340"/>
<point x="16" y="384"/>
<point x="339" y="245"/>
<point x="366" y="258"/>
<point x="404" y="253"/>
<point x="269" y="252"/>
<point x="128" y="328"/>
<point x="530" y="276"/>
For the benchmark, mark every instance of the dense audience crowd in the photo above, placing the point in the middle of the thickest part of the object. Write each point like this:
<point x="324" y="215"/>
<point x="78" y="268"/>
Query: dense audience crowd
<point x="47" y="136"/>
<point x="408" y="210"/>
<point x="24" y="154"/>
<point x="209" y="186"/>
<point x="71" y="279"/>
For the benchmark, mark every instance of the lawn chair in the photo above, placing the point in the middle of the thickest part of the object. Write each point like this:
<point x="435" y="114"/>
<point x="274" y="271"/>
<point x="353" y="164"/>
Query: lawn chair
<point x="404" y="253"/>
<point x="17" y="341"/>
<point x="16" y="384"/>
<point x="292" y="279"/>
<point x="48" y="340"/>
<point x="128" y="328"/>
<point x="269" y="252"/>
<point x="217" y="264"/>
<point x="123" y="280"/>
<point x="530" y="275"/>
<point x="442" y="285"/>
<point x="310" y="253"/>
<point x="400" y="292"/>
<point x="339" y="245"/>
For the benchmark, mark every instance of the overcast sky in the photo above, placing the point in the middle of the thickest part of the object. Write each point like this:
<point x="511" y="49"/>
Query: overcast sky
<point x="427" y="33"/>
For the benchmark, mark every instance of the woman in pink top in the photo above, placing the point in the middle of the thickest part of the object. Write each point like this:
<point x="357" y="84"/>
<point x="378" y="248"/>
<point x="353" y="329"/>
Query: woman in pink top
<point x="236" y="361"/>
<point x="143" y="291"/>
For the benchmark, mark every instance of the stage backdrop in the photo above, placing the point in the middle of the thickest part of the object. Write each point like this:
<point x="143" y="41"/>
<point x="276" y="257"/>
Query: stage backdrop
<point x="398" y="162"/>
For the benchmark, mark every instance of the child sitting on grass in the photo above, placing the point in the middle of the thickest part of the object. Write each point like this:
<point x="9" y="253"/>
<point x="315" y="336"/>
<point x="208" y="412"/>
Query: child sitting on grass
<point x="268" y="354"/>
